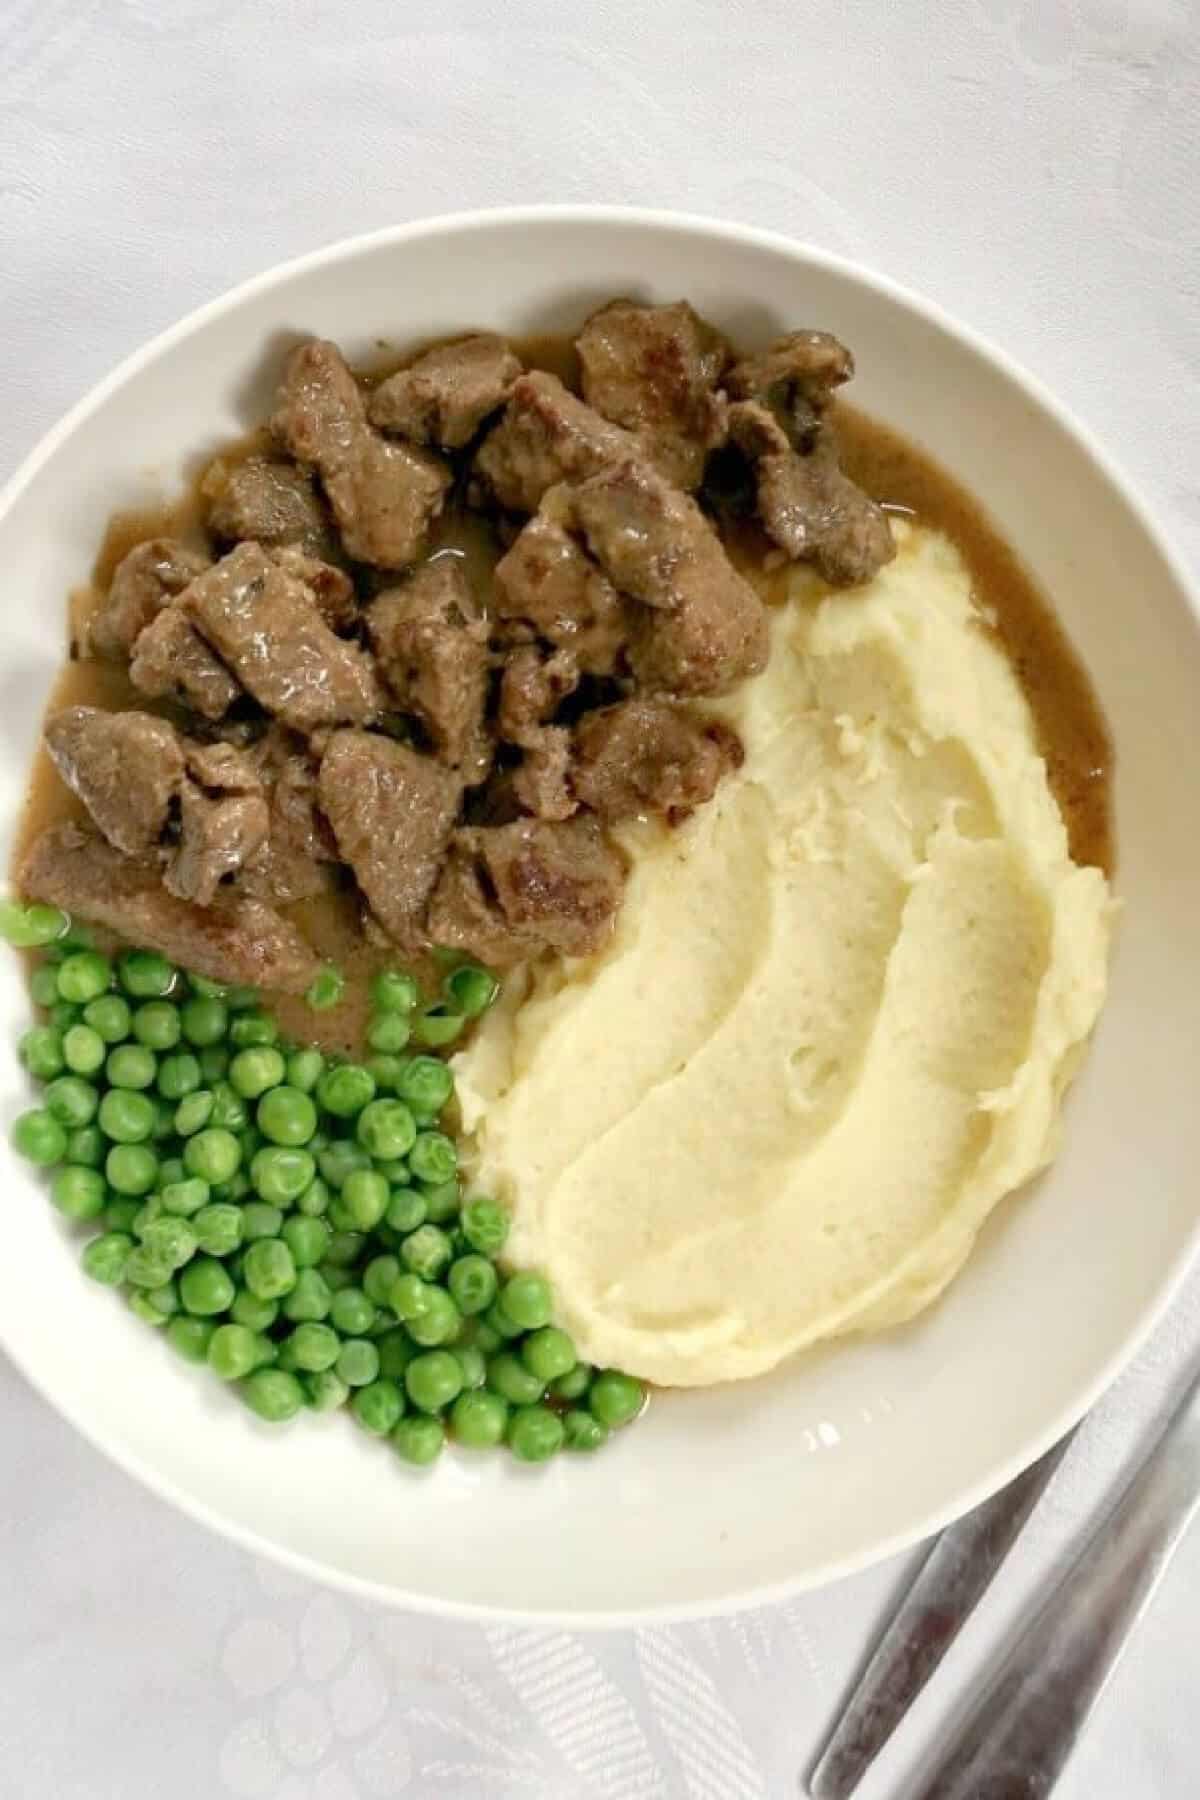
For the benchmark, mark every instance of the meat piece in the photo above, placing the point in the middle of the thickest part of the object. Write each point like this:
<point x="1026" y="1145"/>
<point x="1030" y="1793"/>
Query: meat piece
<point x="272" y="502"/>
<point x="541" y="783"/>
<point x="547" y="582"/>
<point x="266" y="626"/>
<point x="650" y="756"/>
<point x="806" y="504"/>
<point x="126" y="767"/>
<point x="384" y="495"/>
<point x="222" y="767"/>
<point x="431" y="646"/>
<point x="795" y="379"/>
<point x="296" y="862"/>
<point x="392" y="811"/>
<point x="655" y="369"/>
<point x="532" y="688"/>
<point x="172" y="661"/>
<point x="546" y="435"/>
<point x="217" y="836"/>
<point x="444" y="396"/>
<point x="237" y="940"/>
<point x="330" y="587"/>
<point x="705" y="627"/>
<point x="510" y="891"/>
<point x="143" y="583"/>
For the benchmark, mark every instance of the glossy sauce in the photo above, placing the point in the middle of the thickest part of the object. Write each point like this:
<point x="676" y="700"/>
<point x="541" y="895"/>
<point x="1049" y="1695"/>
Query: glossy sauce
<point x="1070" y="725"/>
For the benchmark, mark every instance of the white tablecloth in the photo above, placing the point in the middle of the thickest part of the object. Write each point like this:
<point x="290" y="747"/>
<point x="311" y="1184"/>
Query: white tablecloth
<point x="1034" y="165"/>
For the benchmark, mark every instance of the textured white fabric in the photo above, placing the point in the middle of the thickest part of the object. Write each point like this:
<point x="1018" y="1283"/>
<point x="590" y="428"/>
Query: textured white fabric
<point x="1033" y="164"/>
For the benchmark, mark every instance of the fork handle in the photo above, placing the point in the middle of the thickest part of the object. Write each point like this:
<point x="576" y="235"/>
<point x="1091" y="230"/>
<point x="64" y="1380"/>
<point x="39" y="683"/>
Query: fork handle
<point x="1017" y="1737"/>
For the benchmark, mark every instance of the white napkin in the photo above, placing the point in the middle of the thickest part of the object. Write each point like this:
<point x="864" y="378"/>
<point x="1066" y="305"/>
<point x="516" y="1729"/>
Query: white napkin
<point x="1035" y="167"/>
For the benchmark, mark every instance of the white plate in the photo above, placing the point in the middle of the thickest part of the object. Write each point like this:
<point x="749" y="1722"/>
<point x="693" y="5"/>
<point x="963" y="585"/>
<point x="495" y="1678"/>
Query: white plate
<point x="753" y="1491"/>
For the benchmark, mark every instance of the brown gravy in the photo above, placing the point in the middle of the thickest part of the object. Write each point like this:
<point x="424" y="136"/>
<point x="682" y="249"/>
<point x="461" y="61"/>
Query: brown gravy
<point x="1074" y="737"/>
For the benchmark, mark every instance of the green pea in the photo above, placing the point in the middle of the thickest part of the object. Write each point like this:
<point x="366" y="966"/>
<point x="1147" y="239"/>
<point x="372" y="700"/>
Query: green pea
<point x="326" y="1391"/>
<point x="307" y="1239"/>
<point x="268" y="1269"/>
<point x="79" y="1193"/>
<point x="352" y="1313"/>
<point x="260" y="1220"/>
<point x="484" y="1336"/>
<point x="190" y="1337"/>
<point x="31" y="927"/>
<point x="345" y="1248"/>
<point x="205" y="1287"/>
<point x="433" y="1380"/>
<point x="157" y="1025"/>
<point x="419" y="1440"/>
<point x="131" y="1168"/>
<point x="179" y="1077"/>
<point x="253" y="1028"/>
<point x="164" y="1119"/>
<point x="385" y="1071"/>
<point x="472" y="1282"/>
<point x="409" y="1296"/>
<point x="205" y="1020"/>
<point x="508" y="1376"/>
<point x="194" y="1112"/>
<point x="499" y="1321"/>
<point x="255" y="1070"/>
<point x="326" y="989"/>
<point x="310" y="1299"/>
<point x="304" y="1070"/>
<point x="146" y="975"/>
<point x="273" y="1394"/>
<point x="479" y="1419"/>
<point x="233" y="1351"/>
<point x="396" y="1350"/>
<point x="426" y="1251"/>
<point x="358" y="1362"/>
<point x="110" y="1017"/>
<point x="314" y="1201"/>
<point x="548" y="1353"/>
<point x="615" y="1398"/>
<point x="212" y="1154"/>
<point x="378" y="1407"/>
<point x="437" y="1027"/>
<point x="439" y="1320"/>
<point x="426" y="1084"/>
<point x="534" y="1433"/>
<point x="43" y="985"/>
<point x="170" y="1169"/>
<point x="280" y="1176"/>
<point x="312" y="1347"/>
<point x="406" y="1209"/>
<point x="131" y="1066"/>
<point x="582" y="1431"/>
<point x="230" y="1112"/>
<point x="379" y="1277"/>
<point x="442" y="1201"/>
<point x="164" y="1299"/>
<point x="86" y="1147"/>
<point x="364" y="1199"/>
<point x="386" y="1129"/>
<point x="574" y="1383"/>
<point x="345" y="1089"/>
<point x="84" y="976"/>
<point x="41" y="1051"/>
<point x="218" y="1228"/>
<point x="150" y="1209"/>
<point x="394" y="991"/>
<point x="147" y="1268"/>
<point x="171" y="1238"/>
<point x="472" y="1363"/>
<point x="71" y="1100"/>
<point x="185" y="1197"/>
<point x="83" y="1050"/>
<point x="527" y="1300"/>
<point x="120" y="1213"/>
<point x="470" y="990"/>
<point x="214" y="1063"/>
<point x="388" y="1033"/>
<point x="144" y="1308"/>
<point x="340" y="1159"/>
<point x="433" y="1157"/>
<point x="105" y="1257"/>
<point x="286" y="1115"/>
<point x="247" y="1309"/>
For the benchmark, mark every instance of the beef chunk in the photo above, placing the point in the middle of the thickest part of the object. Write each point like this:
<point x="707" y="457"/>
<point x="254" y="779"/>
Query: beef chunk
<point x="795" y="379"/>
<point x="806" y="504"/>
<point x="541" y="784"/>
<point x="392" y="812"/>
<point x="266" y="626"/>
<point x="223" y="821"/>
<point x="547" y="583"/>
<point x="143" y="583"/>
<point x="296" y="861"/>
<point x="330" y="587"/>
<point x="126" y="768"/>
<point x="655" y="369"/>
<point x="272" y="502"/>
<point x="431" y="645"/>
<point x="510" y="891"/>
<point x="444" y="397"/>
<point x="532" y="688"/>
<point x="237" y="940"/>
<point x="644" y="756"/>
<point x="705" y="627"/>
<point x="223" y="767"/>
<point x="547" y="435"/>
<point x="384" y="495"/>
<point x="172" y="661"/>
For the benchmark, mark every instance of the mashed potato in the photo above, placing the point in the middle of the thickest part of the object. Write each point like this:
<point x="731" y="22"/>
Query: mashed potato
<point x="836" y="1020"/>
